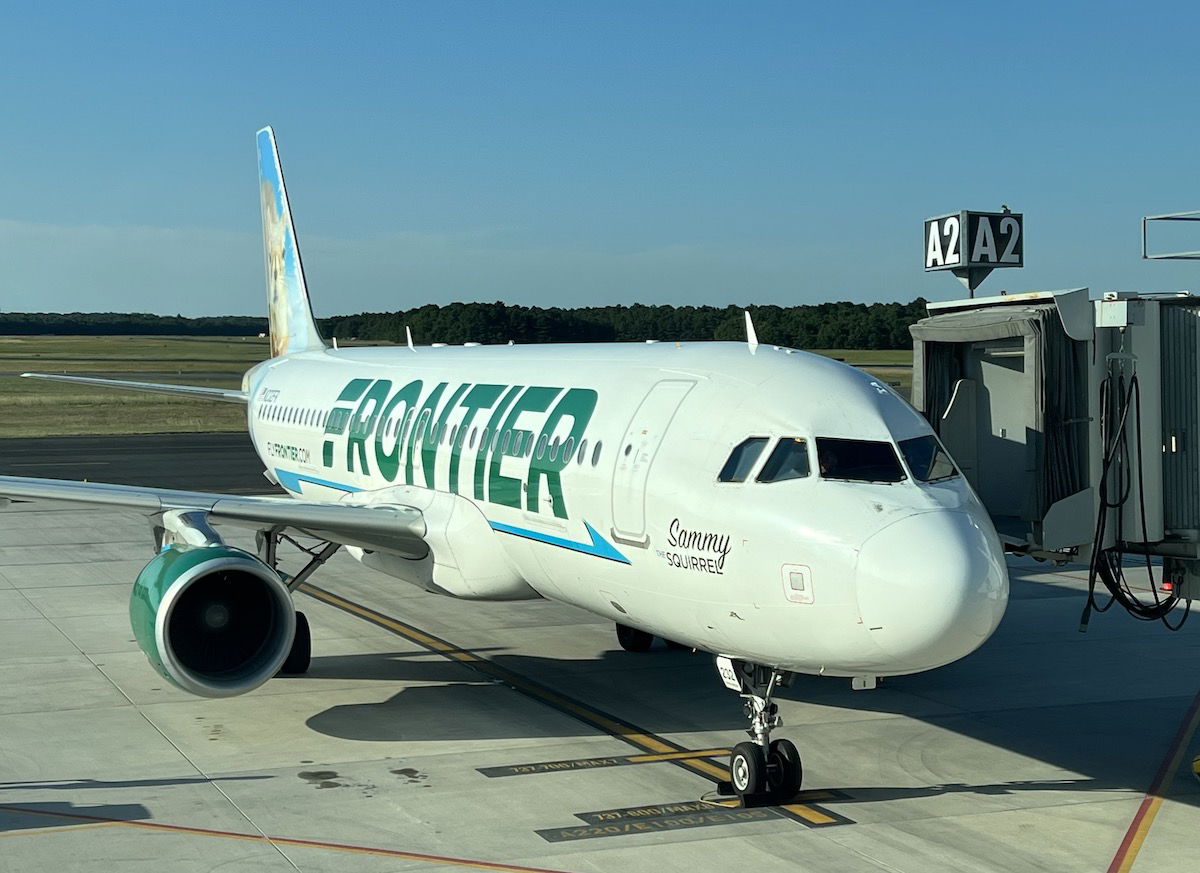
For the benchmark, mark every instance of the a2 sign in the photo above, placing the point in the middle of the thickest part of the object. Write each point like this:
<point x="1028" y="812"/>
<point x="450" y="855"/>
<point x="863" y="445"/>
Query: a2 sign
<point x="974" y="239"/>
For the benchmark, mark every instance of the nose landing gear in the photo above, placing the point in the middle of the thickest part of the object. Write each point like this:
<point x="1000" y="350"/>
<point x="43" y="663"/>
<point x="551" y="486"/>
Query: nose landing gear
<point x="763" y="770"/>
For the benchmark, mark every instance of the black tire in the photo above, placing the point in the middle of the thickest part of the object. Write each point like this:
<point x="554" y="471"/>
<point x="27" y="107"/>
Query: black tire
<point x="747" y="769"/>
<point x="784" y="770"/>
<point x="300" y="656"/>
<point x="634" y="640"/>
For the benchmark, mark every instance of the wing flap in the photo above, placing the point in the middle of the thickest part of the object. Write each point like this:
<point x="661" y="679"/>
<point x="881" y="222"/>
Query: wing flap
<point x="392" y="528"/>
<point x="226" y="395"/>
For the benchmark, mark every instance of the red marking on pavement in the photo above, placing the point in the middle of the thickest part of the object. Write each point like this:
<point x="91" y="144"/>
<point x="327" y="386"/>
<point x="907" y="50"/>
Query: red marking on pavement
<point x="1144" y="817"/>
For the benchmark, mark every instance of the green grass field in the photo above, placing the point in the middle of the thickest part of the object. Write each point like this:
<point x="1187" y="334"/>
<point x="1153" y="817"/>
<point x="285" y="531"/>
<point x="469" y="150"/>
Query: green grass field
<point x="38" y="408"/>
<point x="893" y="366"/>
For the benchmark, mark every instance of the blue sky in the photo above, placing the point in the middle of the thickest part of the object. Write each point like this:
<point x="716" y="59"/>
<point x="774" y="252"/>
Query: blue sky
<point x="584" y="154"/>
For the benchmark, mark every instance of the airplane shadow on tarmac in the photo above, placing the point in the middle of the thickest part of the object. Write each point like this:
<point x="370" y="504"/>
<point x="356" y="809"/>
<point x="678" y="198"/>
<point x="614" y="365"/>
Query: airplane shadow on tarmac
<point x="34" y="816"/>
<point x="1101" y="708"/>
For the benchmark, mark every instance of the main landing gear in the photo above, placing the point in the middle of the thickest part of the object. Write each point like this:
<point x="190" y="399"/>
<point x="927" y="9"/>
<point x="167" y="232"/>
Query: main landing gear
<point x="634" y="640"/>
<point x="300" y="656"/>
<point x="764" y="770"/>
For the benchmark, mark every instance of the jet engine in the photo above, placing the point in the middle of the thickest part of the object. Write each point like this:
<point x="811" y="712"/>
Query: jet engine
<point x="213" y="620"/>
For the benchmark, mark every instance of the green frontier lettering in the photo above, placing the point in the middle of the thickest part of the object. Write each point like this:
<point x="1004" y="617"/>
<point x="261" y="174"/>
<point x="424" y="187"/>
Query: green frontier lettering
<point x="420" y="429"/>
<point x="405" y="399"/>
<point x="384" y="418"/>
<point x="578" y="404"/>
<point x="480" y="397"/>
<point x="363" y="423"/>
<point x="340" y="415"/>
<point x="492" y="441"/>
<point x="435" y="438"/>
<point x="504" y="489"/>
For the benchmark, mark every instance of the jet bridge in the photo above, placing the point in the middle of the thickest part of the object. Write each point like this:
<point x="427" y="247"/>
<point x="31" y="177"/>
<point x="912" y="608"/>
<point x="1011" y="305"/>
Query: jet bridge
<point x="1077" y="421"/>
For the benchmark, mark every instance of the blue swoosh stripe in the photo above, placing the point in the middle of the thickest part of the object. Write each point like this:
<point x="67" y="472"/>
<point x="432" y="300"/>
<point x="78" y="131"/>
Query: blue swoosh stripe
<point x="294" y="482"/>
<point x="599" y="547"/>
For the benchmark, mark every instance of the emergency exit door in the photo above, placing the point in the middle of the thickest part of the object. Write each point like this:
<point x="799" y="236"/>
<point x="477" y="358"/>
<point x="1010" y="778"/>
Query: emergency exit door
<point x="635" y="456"/>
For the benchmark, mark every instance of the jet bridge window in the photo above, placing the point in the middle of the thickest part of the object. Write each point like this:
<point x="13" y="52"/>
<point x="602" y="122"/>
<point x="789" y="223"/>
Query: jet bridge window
<point x="858" y="460"/>
<point x="927" y="460"/>
<point x="742" y="459"/>
<point x="788" y="460"/>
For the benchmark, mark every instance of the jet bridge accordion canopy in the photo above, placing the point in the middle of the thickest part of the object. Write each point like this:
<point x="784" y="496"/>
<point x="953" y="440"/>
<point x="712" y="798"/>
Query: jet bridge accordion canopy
<point x="1004" y="386"/>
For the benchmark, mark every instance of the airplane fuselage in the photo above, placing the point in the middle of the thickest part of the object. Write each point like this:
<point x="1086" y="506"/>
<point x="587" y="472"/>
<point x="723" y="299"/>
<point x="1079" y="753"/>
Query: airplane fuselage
<point x="600" y="475"/>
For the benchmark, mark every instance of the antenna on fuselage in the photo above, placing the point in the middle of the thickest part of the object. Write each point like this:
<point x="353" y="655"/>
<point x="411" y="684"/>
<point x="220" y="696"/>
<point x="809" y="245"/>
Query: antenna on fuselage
<point x="751" y="336"/>
<point x="408" y="336"/>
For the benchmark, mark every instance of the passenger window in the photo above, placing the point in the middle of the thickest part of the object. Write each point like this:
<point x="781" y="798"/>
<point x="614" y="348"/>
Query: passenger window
<point x="858" y="460"/>
<point x="582" y="452"/>
<point x="741" y="460"/>
<point x="568" y="449"/>
<point x="927" y="460"/>
<point x="541" y="446"/>
<point x="788" y="460"/>
<point x="337" y="420"/>
<point x="596" y="453"/>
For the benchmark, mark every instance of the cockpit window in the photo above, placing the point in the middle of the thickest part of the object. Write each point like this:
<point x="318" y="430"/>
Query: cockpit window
<point x="741" y="460"/>
<point x="788" y="460"/>
<point x="927" y="459"/>
<point x="858" y="460"/>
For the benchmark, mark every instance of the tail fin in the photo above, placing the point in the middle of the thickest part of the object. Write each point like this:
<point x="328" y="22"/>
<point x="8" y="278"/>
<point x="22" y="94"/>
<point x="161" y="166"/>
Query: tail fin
<point x="288" y="309"/>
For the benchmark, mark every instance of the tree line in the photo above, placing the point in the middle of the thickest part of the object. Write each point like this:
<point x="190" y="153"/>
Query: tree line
<point x="821" y="326"/>
<point x="125" y="323"/>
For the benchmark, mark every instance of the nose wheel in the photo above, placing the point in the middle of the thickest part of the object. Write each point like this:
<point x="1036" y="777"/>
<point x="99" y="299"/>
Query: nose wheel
<point x="763" y="770"/>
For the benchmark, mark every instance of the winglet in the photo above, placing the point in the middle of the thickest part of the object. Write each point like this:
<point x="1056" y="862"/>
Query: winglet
<point x="751" y="336"/>
<point x="408" y="336"/>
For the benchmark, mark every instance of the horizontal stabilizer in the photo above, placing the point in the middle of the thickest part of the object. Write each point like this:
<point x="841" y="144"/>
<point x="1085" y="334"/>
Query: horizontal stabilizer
<point x="227" y="395"/>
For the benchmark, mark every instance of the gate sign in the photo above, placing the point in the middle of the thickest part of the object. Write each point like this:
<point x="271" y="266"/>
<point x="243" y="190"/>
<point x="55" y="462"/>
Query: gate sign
<point x="969" y="240"/>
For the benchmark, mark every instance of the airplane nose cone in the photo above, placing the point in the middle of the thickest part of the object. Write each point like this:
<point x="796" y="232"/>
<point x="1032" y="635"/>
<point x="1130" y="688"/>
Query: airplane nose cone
<point x="931" y="588"/>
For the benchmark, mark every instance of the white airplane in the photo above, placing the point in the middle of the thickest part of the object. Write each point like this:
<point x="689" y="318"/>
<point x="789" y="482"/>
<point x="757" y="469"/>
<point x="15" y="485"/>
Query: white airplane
<point x="781" y="510"/>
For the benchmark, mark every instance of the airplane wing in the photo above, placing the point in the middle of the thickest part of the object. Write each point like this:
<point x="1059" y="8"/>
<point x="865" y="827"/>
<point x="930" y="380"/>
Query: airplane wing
<point x="393" y="528"/>
<point x="224" y="394"/>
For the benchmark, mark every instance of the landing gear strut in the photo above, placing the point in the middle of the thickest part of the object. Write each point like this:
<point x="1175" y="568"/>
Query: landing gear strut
<point x="300" y="656"/>
<point x="764" y="769"/>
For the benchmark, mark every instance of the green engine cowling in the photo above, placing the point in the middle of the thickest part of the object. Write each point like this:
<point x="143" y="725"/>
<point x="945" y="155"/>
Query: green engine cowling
<point x="213" y="620"/>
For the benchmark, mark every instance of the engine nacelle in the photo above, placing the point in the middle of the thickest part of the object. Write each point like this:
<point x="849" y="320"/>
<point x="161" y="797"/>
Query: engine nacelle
<point x="213" y="620"/>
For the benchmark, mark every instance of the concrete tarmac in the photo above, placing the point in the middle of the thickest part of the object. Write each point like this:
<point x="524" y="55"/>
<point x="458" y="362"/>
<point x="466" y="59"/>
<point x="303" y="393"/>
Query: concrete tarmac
<point x="439" y="734"/>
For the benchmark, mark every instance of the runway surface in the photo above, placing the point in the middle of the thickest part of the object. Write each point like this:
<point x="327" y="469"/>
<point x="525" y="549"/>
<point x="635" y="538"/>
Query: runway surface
<point x="435" y="734"/>
<point x="222" y="462"/>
